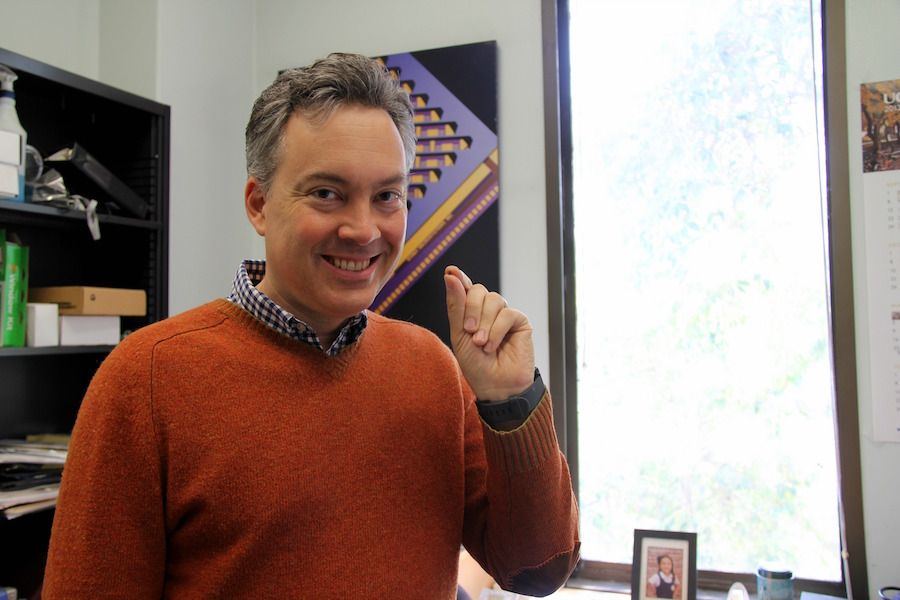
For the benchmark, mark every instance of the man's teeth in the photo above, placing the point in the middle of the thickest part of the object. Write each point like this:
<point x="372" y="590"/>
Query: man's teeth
<point x="351" y="265"/>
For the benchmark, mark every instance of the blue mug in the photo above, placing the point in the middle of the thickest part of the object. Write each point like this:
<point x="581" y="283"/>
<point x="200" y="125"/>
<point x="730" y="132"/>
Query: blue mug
<point x="774" y="582"/>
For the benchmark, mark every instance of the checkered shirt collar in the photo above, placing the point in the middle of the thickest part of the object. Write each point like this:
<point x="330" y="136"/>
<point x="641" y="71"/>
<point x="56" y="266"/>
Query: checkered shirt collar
<point x="245" y="294"/>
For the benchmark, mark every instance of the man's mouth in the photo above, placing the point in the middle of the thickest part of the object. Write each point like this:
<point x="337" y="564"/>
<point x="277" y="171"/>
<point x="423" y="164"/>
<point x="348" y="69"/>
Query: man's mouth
<point x="350" y="265"/>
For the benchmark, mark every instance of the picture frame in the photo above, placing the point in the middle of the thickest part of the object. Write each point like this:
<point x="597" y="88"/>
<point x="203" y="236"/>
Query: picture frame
<point x="658" y="555"/>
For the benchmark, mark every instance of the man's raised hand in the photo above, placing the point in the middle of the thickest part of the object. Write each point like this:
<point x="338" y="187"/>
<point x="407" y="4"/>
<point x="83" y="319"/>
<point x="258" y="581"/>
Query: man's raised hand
<point x="492" y="342"/>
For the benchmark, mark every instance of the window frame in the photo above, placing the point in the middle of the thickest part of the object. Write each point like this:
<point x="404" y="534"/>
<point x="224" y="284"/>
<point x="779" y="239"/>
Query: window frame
<point x="561" y="297"/>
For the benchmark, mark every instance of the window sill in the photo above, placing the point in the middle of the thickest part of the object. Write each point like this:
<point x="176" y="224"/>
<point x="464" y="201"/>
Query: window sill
<point x="583" y="589"/>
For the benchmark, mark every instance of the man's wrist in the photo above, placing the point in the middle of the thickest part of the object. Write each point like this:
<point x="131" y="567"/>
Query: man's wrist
<point x="514" y="408"/>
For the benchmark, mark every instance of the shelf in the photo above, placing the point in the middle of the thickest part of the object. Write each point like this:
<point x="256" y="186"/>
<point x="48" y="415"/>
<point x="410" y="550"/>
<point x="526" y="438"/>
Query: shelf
<point x="26" y="212"/>
<point x="55" y="350"/>
<point x="43" y="387"/>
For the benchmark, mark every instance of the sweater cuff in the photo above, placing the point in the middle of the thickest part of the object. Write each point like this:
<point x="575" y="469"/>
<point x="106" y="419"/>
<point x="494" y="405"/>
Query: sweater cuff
<point x="527" y="447"/>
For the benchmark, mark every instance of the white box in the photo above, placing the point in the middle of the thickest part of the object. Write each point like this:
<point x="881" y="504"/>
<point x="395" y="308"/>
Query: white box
<point x="10" y="148"/>
<point x="89" y="330"/>
<point x="9" y="181"/>
<point x="41" y="324"/>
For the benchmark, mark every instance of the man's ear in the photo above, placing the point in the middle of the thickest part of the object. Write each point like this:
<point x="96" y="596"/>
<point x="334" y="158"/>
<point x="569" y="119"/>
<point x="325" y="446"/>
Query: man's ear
<point x="255" y="203"/>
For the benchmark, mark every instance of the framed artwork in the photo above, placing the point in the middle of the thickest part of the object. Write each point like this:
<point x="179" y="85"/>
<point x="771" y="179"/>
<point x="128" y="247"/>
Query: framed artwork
<point x="664" y="565"/>
<point x="454" y="183"/>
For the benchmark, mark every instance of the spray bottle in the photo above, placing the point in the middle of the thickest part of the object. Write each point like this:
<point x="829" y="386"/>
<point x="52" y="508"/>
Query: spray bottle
<point x="9" y="121"/>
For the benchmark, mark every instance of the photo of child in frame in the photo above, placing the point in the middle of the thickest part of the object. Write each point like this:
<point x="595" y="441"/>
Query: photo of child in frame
<point x="664" y="566"/>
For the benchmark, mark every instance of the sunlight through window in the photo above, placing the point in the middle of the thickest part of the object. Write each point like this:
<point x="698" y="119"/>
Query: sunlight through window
<point x="705" y="387"/>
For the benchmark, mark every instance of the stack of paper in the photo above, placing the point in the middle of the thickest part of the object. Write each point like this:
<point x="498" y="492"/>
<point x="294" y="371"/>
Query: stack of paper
<point x="30" y="472"/>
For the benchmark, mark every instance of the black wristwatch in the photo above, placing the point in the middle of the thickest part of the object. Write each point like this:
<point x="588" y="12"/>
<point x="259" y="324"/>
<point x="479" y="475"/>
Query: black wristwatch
<point x="514" y="408"/>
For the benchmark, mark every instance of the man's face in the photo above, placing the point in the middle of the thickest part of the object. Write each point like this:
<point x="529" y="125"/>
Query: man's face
<point x="334" y="217"/>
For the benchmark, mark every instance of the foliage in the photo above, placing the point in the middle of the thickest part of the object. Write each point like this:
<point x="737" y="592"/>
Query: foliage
<point x="704" y="379"/>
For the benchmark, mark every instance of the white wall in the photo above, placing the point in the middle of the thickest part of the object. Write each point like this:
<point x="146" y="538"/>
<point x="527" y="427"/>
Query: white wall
<point x="205" y="54"/>
<point x="872" y="49"/>
<point x="209" y="59"/>
<point x="128" y="34"/>
<point x="64" y="33"/>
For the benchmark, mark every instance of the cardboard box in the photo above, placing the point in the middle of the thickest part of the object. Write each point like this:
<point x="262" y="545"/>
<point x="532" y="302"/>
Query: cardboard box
<point x="89" y="330"/>
<point x="42" y="325"/>
<point x="83" y="300"/>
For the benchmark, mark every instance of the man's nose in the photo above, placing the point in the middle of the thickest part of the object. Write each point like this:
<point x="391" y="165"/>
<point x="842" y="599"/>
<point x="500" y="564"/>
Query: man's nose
<point x="359" y="223"/>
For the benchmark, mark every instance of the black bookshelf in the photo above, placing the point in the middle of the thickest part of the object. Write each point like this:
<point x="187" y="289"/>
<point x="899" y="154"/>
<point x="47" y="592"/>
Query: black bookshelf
<point x="41" y="388"/>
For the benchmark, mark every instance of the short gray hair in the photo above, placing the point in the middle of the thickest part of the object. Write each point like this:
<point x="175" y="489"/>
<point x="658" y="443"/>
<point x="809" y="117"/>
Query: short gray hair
<point x="316" y="92"/>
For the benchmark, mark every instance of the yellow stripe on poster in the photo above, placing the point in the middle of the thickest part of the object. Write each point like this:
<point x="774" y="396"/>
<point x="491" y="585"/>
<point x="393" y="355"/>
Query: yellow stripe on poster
<point x="439" y="249"/>
<point x="432" y="225"/>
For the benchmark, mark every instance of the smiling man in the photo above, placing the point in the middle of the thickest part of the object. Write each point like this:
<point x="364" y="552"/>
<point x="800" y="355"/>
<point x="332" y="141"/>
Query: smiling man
<point x="334" y="214"/>
<point x="283" y="442"/>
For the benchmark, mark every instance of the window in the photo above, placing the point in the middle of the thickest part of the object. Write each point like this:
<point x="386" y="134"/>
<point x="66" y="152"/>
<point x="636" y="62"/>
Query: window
<point x="699" y="385"/>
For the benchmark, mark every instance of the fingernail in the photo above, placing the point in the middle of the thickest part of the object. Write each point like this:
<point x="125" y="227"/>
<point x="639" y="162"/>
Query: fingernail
<point x="470" y="324"/>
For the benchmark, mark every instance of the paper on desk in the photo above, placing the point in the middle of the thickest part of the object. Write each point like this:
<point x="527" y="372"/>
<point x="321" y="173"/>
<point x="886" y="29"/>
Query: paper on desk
<point x="487" y="594"/>
<point x="29" y="495"/>
<point x="15" y="512"/>
<point x="814" y="596"/>
<point x="20" y="451"/>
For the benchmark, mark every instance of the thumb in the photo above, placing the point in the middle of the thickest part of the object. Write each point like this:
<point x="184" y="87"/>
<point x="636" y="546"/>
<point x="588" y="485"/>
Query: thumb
<point x="456" y="303"/>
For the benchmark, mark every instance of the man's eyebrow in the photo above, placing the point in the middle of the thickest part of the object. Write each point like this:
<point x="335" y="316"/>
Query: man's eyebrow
<point x="324" y="176"/>
<point x="328" y="177"/>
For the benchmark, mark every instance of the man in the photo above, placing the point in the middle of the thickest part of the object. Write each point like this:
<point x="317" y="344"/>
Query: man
<point x="285" y="443"/>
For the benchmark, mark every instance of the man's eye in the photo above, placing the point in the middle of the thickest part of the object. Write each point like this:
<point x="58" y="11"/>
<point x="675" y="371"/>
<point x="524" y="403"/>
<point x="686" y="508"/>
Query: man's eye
<point x="388" y="196"/>
<point x="324" y="194"/>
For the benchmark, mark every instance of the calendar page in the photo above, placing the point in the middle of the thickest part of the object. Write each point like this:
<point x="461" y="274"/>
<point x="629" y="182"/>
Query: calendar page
<point x="880" y="105"/>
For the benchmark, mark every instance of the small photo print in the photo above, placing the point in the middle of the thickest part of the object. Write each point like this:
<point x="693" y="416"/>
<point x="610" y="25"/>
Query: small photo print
<point x="664" y="566"/>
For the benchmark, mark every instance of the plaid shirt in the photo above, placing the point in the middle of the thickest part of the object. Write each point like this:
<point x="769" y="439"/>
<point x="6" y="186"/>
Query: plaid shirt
<point x="245" y="295"/>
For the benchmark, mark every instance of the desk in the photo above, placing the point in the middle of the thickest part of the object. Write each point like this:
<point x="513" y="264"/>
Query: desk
<point x="563" y="594"/>
<point x="579" y="594"/>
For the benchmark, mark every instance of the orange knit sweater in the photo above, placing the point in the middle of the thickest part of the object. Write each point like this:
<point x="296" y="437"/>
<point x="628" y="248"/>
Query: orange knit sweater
<point x="213" y="457"/>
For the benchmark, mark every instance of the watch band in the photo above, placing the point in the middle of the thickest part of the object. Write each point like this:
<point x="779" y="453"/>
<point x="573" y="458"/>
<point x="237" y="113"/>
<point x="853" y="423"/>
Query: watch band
<point x="516" y="407"/>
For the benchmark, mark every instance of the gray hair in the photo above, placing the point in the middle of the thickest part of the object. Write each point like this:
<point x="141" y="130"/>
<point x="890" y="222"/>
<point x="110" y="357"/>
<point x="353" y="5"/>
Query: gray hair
<point x="316" y="92"/>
